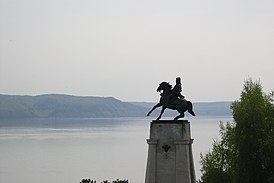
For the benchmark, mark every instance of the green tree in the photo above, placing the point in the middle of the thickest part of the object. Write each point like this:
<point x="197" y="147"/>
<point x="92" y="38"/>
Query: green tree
<point x="245" y="153"/>
<point x="254" y="133"/>
<point x="217" y="165"/>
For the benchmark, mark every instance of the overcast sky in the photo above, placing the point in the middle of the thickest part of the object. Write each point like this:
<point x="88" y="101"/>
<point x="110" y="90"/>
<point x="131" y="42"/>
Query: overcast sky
<point x="124" y="48"/>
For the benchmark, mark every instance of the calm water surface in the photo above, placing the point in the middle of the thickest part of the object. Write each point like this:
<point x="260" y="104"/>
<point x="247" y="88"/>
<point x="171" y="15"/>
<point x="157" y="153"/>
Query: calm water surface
<point x="68" y="150"/>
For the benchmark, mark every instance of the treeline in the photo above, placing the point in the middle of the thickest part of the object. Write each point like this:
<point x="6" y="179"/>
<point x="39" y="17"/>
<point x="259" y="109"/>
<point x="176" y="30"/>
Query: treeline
<point x="245" y="152"/>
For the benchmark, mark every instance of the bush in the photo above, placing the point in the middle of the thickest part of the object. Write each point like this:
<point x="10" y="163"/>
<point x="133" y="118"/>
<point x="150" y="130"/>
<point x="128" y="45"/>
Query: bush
<point x="104" y="181"/>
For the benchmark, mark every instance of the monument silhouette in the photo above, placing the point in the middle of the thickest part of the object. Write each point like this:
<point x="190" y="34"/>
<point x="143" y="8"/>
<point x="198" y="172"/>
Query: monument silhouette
<point x="172" y="99"/>
<point x="170" y="158"/>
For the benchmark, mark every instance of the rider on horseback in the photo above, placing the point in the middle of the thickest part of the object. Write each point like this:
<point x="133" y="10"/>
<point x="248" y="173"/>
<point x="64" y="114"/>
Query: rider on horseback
<point x="172" y="99"/>
<point x="176" y="92"/>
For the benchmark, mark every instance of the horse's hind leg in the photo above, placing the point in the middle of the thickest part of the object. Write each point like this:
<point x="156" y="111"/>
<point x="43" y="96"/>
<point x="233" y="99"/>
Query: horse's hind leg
<point x="181" y="110"/>
<point x="180" y="116"/>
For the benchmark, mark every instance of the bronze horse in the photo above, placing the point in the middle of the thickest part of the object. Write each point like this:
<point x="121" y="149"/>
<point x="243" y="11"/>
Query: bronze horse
<point x="181" y="105"/>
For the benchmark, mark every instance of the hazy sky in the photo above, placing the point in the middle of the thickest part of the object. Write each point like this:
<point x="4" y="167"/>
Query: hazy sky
<point x="125" y="48"/>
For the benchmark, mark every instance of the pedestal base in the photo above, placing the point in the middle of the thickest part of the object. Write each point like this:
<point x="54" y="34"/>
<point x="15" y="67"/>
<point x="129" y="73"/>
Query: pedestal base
<point x="170" y="158"/>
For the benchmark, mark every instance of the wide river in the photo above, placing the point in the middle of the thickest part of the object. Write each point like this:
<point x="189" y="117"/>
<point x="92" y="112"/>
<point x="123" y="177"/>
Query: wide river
<point x="69" y="150"/>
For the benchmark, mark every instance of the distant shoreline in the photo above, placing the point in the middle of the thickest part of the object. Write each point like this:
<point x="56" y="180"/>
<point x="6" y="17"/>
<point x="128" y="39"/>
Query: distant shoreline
<point x="67" y="106"/>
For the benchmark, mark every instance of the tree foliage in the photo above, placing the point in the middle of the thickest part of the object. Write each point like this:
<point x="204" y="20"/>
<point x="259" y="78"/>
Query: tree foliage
<point x="245" y="152"/>
<point x="217" y="165"/>
<point x="254" y="129"/>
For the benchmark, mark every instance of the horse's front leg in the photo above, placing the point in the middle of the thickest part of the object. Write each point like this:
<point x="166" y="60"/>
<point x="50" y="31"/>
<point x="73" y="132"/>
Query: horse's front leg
<point x="162" y="111"/>
<point x="157" y="105"/>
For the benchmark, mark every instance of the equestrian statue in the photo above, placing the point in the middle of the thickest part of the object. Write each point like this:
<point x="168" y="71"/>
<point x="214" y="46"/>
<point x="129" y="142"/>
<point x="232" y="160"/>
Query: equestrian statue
<point x="172" y="98"/>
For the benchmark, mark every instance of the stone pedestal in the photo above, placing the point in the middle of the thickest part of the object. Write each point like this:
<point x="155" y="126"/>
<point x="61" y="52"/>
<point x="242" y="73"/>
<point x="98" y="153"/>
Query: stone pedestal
<point x="170" y="158"/>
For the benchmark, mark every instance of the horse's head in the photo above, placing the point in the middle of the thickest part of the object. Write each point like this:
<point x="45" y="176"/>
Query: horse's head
<point x="164" y="86"/>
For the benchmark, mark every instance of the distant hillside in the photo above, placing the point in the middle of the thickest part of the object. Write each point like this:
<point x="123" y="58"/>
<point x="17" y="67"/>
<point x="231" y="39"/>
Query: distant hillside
<point x="65" y="106"/>
<point x="56" y="105"/>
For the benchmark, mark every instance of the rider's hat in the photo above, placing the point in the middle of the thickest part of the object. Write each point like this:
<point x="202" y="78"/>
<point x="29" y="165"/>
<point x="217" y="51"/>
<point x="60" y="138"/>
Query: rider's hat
<point x="178" y="80"/>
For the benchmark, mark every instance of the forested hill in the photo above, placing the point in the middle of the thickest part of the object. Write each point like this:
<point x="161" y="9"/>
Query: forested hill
<point x="65" y="106"/>
<point x="56" y="105"/>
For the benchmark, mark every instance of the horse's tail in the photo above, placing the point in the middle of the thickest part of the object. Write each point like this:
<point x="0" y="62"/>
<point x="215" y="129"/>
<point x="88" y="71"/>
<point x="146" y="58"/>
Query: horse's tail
<point x="190" y="108"/>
